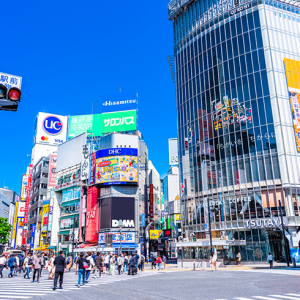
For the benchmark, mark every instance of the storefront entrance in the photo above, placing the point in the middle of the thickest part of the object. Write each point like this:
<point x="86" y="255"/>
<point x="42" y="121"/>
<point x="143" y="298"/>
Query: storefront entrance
<point x="277" y="244"/>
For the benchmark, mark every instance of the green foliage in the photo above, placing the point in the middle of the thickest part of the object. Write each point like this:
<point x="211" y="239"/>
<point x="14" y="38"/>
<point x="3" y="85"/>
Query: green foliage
<point x="5" y="229"/>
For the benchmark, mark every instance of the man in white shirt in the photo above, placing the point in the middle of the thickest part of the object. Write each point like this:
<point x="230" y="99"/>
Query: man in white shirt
<point x="26" y="265"/>
<point x="106" y="263"/>
<point x="2" y="264"/>
<point x="16" y="269"/>
<point x="120" y="263"/>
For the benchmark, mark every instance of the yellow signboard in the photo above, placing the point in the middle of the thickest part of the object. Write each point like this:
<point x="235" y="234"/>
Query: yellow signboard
<point x="155" y="234"/>
<point x="178" y="217"/>
<point x="15" y="221"/>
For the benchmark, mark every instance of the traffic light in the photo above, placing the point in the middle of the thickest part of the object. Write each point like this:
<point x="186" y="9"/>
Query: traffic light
<point x="194" y="238"/>
<point x="10" y="92"/>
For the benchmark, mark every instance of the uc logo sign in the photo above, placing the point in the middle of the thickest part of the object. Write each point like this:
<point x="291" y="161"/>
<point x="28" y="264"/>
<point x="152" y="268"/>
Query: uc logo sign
<point x="52" y="125"/>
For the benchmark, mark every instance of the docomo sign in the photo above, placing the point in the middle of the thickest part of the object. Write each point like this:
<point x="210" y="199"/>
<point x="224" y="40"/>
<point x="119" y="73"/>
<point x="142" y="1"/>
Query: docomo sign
<point x="27" y="205"/>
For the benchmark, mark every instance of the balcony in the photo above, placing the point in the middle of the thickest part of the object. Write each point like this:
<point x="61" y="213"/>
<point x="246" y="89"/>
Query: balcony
<point x="32" y="220"/>
<point x="44" y="180"/>
<point x="35" y="205"/>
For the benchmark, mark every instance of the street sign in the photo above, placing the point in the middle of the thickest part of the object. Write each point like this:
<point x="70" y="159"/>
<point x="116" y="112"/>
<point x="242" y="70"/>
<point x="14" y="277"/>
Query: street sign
<point x="205" y="226"/>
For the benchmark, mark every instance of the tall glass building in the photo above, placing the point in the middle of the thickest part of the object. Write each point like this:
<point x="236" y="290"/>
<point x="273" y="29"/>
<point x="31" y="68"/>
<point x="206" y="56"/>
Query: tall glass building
<point x="238" y="100"/>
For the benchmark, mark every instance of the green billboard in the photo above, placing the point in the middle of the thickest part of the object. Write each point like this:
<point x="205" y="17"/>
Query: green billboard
<point x="84" y="123"/>
<point x="119" y="121"/>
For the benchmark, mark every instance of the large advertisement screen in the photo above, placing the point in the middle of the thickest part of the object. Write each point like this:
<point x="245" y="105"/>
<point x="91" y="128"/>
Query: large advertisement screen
<point x="292" y="68"/>
<point x="117" y="166"/>
<point x="173" y="152"/>
<point x="119" y="121"/>
<point x="84" y="123"/>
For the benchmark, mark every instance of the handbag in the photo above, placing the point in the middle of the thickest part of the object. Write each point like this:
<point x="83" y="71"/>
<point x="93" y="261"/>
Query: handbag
<point x="85" y="265"/>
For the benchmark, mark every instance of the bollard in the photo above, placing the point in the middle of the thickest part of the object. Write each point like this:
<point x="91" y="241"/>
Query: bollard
<point x="194" y="266"/>
<point x="294" y="262"/>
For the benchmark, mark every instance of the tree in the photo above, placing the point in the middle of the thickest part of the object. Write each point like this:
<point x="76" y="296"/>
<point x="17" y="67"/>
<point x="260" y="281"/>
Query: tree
<point x="5" y="229"/>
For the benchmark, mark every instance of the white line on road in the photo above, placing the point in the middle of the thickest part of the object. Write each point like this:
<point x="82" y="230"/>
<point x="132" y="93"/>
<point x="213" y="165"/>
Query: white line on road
<point x="243" y="298"/>
<point x="14" y="297"/>
<point x="16" y="293"/>
<point x="265" y="298"/>
<point x="286" y="297"/>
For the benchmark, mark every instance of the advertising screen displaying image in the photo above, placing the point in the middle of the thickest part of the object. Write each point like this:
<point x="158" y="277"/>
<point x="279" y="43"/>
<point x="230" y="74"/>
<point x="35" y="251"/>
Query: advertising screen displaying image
<point x="117" y="166"/>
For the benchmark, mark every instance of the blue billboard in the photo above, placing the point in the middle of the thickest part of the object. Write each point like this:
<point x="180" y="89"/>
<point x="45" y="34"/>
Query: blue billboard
<point x="32" y="235"/>
<point x="119" y="102"/>
<point x="116" y="152"/>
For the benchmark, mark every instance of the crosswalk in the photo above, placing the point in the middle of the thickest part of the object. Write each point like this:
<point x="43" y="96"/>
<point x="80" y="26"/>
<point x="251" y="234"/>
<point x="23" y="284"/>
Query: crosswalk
<point x="20" y="288"/>
<point x="289" y="296"/>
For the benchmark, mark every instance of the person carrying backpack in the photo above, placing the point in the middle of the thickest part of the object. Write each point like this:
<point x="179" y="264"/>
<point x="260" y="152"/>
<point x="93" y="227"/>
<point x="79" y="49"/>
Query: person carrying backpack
<point x="69" y="262"/>
<point x="12" y="263"/>
<point x="27" y="264"/>
<point x="37" y="267"/>
<point x="125" y="264"/>
<point x="91" y="264"/>
<point x="81" y="267"/>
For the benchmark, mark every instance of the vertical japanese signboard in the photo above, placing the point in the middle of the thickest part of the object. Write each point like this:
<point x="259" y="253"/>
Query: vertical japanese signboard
<point x="27" y="205"/>
<point x="93" y="166"/>
<point x="151" y="206"/>
<point x="292" y="69"/>
<point x="52" y="170"/>
<point x="24" y="187"/>
<point x="85" y="162"/>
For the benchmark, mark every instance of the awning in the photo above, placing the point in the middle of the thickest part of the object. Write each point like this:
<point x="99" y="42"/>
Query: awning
<point x="52" y="247"/>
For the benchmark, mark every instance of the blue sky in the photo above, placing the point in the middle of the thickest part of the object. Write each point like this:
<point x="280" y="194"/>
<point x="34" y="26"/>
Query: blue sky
<point x="70" y="54"/>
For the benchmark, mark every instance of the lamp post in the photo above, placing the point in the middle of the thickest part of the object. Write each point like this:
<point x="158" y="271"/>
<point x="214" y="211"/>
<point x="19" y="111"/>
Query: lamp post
<point x="120" y="226"/>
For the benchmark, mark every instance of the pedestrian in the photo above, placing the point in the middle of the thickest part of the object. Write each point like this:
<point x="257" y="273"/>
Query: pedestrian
<point x="112" y="265"/>
<point x="16" y="268"/>
<point x="36" y="267"/>
<point x="120" y="263"/>
<point x="98" y="264"/>
<point x="238" y="258"/>
<point x="12" y="263"/>
<point x="21" y="263"/>
<point x="42" y="263"/>
<point x="153" y="262"/>
<point x="94" y="256"/>
<point x="26" y="265"/>
<point x="213" y="261"/>
<point x="164" y="261"/>
<point x="69" y="262"/>
<point x="91" y="264"/>
<point x="125" y="264"/>
<point x="60" y="267"/>
<point x="2" y="264"/>
<point x="106" y="263"/>
<point x="81" y="266"/>
<point x="51" y="267"/>
<point x="270" y="260"/>
<point x="158" y="262"/>
<point x="142" y="259"/>
<point x="137" y="260"/>
<point x="132" y="265"/>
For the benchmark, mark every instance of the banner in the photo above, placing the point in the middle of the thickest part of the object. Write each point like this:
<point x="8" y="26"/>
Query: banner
<point x="27" y="205"/>
<point x="24" y="187"/>
<point x="52" y="170"/>
<point x="151" y="206"/>
<point x="85" y="166"/>
<point x="32" y="236"/>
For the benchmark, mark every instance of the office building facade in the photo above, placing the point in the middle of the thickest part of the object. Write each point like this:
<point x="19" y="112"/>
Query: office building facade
<point x="237" y="134"/>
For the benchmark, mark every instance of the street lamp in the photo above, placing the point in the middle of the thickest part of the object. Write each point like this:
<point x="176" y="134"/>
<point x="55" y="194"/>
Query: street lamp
<point x="120" y="224"/>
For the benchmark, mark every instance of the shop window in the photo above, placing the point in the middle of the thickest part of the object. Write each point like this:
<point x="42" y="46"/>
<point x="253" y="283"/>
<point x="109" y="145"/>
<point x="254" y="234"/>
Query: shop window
<point x="280" y="196"/>
<point x="273" y="203"/>
<point x="265" y="203"/>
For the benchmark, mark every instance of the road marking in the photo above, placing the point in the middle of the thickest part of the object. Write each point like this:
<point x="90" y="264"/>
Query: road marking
<point x="286" y="297"/>
<point x="14" y="297"/>
<point x="243" y="298"/>
<point x="264" y="298"/>
<point x="14" y="293"/>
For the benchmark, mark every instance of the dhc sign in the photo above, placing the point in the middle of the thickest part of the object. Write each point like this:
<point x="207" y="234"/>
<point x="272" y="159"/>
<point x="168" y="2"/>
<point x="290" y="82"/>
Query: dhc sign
<point x="264" y="223"/>
<point x="52" y="125"/>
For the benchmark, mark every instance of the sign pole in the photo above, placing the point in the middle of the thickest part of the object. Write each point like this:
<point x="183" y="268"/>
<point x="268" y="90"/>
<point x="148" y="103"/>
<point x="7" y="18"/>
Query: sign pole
<point x="283" y="236"/>
<point x="209" y="224"/>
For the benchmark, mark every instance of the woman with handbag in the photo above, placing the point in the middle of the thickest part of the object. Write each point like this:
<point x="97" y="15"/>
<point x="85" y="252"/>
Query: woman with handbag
<point x="82" y="265"/>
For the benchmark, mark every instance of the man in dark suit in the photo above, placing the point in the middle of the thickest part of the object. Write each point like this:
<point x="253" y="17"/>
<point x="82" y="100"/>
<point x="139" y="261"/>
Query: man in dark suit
<point x="60" y="267"/>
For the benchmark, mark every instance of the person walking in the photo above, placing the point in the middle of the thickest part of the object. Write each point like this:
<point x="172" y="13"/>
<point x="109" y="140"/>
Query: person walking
<point x="158" y="262"/>
<point x="51" y="267"/>
<point x="60" y="267"/>
<point x="142" y="259"/>
<point x="26" y="265"/>
<point x="69" y="262"/>
<point x="16" y="267"/>
<point x="164" y="261"/>
<point x="36" y="267"/>
<point x="125" y="264"/>
<point x="91" y="264"/>
<point x="98" y="264"/>
<point x="112" y="265"/>
<point x="270" y="260"/>
<point x="12" y="263"/>
<point x="21" y="263"/>
<point x="137" y="260"/>
<point x="238" y="258"/>
<point x="106" y="262"/>
<point x="81" y="264"/>
<point x="2" y="264"/>
<point x="120" y="263"/>
<point x="153" y="262"/>
<point x="132" y="265"/>
<point x="42" y="263"/>
<point x="213" y="261"/>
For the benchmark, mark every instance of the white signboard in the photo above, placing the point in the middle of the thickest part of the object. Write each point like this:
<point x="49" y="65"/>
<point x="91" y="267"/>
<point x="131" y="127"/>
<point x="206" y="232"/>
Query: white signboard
<point x="51" y="129"/>
<point x="10" y="80"/>
<point x="85" y="166"/>
<point x="173" y="152"/>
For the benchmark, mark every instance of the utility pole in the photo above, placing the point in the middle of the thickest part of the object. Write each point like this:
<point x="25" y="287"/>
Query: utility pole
<point x="283" y="236"/>
<point x="209" y="224"/>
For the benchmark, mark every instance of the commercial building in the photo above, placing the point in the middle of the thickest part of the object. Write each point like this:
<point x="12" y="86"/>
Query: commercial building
<point x="237" y="102"/>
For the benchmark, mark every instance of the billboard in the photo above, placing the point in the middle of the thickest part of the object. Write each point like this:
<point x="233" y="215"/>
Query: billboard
<point x="151" y="206"/>
<point x="113" y="209"/>
<point x="52" y="170"/>
<point x="173" y="152"/>
<point x="292" y="69"/>
<point x="126" y="237"/>
<point x="119" y="121"/>
<point x="117" y="166"/>
<point x="10" y="80"/>
<point x="24" y="187"/>
<point x="92" y="215"/>
<point x="154" y="234"/>
<point x="84" y="123"/>
<point x="119" y="102"/>
<point x="51" y="129"/>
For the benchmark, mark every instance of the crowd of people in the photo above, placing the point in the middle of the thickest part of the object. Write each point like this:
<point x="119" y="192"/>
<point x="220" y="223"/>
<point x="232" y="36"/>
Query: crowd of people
<point x="86" y="264"/>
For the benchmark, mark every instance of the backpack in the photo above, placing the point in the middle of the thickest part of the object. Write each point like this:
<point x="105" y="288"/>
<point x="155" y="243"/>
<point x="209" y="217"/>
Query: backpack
<point x="30" y="261"/>
<point x="68" y="260"/>
<point x="125" y="260"/>
<point x="142" y="258"/>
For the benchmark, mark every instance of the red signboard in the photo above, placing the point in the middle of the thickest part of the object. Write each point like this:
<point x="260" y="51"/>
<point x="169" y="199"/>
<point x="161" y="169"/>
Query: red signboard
<point x="52" y="170"/>
<point x="93" y="165"/>
<point x="27" y="205"/>
<point x="151" y="206"/>
<point x="92" y="215"/>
